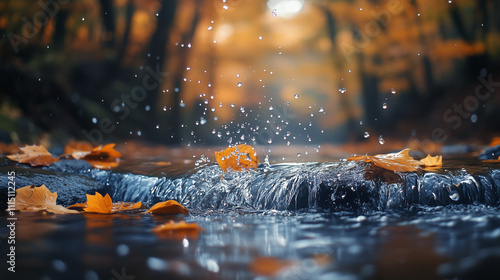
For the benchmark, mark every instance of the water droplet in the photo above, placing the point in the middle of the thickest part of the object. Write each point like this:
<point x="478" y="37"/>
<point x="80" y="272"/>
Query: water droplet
<point x="83" y="19"/>
<point x="366" y="135"/>
<point x="94" y="120"/>
<point x="242" y="109"/>
<point x="342" y="90"/>
<point x="225" y="7"/>
<point x="239" y="84"/>
<point x="157" y="126"/>
<point x="210" y="27"/>
<point x="271" y="108"/>
<point x="188" y="68"/>
<point x="381" y="140"/>
<point x="454" y="195"/>
<point x="275" y="13"/>
<point x="182" y="104"/>
<point x="384" y="106"/>
<point x="296" y="96"/>
<point x="473" y="118"/>
<point x="360" y="122"/>
<point x="232" y="105"/>
<point x="147" y="108"/>
<point x="449" y="1"/>
<point x="260" y="37"/>
<point x="164" y="108"/>
<point x="298" y="154"/>
<point x="393" y="91"/>
<point x="321" y="110"/>
<point x="203" y="121"/>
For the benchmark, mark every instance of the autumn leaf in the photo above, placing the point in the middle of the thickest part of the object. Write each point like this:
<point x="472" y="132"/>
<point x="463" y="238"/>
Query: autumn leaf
<point x="168" y="207"/>
<point x="104" y="205"/>
<point x="269" y="266"/>
<point x="397" y="162"/>
<point x="34" y="155"/>
<point x="237" y="158"/>
<point x="102" y="157"/>
<point x="494" y="142"/>
<point x="32" y="198"/>
<point x="8" y="148"/>
<point x="432" y="161"/>
<point x="178" y="230"/>
<point x="99" y="204"/>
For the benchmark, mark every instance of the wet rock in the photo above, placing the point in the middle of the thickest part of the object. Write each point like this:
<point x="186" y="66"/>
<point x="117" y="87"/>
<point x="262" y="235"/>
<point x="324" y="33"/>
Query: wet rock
<point x="490" y="153"/>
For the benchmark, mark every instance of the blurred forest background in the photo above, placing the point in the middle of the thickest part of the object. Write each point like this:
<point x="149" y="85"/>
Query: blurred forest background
<point x="212" y="72"/>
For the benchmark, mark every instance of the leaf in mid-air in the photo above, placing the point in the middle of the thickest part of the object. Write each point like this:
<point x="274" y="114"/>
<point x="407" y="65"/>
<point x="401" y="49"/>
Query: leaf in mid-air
<point x="32" y="198"/>
<point x="430" y="161"/>
<point x="397" y="162"/>
<point x="34" y="155"/>
<point x="168" y="207"/>
<point x="237" y="158"/>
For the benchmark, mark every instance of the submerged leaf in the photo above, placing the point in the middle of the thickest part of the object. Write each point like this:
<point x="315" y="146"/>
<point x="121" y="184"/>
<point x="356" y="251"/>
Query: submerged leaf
<point x="397" y="162"/>
<point x="168" y="207"/>
<point x="432" y="161"/>
<point x="237" y="158"/>
<point x="99" y="204"/>
<point x="34" y="155"/>
<point x="32" y="198"/>
<point x="178" y="230"/>
<point x="269" y="266"/>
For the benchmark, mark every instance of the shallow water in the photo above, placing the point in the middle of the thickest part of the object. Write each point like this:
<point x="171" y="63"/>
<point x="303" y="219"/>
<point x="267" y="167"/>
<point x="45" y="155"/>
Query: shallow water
<point x="247" y="217"/>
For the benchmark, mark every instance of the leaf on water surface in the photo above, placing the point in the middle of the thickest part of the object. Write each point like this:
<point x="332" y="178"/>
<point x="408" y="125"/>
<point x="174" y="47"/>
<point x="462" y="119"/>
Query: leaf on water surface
<point x="34" y="155"/>
<point x="237" y="158"/>
<point x="32" y="198"/>
<point x="104" y="205"/>
<point x="168" y="207"/>
<point x="430" y="161"/>
<point x="99" y="204"/>
<point x="102" y="157"/>
<point x="397" y="162"/>
<point x="7" y="149"/>
<point x="269" y="266"/>
<point x="178" y="230"/>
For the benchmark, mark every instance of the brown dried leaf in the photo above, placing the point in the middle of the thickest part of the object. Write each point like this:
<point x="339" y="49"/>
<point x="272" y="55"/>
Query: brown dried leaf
<point x="32" y="198"/>
<point x="34" y="155"/>
<point x="397" y="162"/>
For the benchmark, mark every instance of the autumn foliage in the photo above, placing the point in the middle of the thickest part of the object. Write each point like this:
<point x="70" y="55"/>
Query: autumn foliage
<point x="34" y="155"/>
<point x="399" y="162"/>
<point x="237" y="158"/>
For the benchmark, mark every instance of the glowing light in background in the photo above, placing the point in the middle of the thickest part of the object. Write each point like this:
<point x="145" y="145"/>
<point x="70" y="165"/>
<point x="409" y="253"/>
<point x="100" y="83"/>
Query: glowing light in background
<point x="285" y="8"/>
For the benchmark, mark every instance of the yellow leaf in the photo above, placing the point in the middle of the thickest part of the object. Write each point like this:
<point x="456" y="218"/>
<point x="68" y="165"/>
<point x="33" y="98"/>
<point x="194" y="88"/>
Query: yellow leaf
<point x="32" y="198"/>
<point x="99" y="204"/>
<point x="168" y="207"/>
<point x="34" y="155"/>
<point x="398" y="162"/>
<point x="432" y="161"/>
<point x="237" y="158"/>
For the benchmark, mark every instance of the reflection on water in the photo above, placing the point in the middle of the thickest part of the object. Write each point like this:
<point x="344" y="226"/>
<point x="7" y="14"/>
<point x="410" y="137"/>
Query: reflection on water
<point x="424" y="243"/>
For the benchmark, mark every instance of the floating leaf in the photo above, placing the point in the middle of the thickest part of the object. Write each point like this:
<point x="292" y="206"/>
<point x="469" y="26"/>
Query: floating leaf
<point x="77" y="150"/>
<point x="432" y="161"/>
<point x="269" y="266"/>
<point x="104" y="205"/>
<point x="32" y="198"/>
<point x="237" y="158"/>
<point x="34" y="155"/>
<point x="397" y="162"/>
<point x="99" y="204"/>
<point x="178" y="230"/>
<point x="168" y="207"/>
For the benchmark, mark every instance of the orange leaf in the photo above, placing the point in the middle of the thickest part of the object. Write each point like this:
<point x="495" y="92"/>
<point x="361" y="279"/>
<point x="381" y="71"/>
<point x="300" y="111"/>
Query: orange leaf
<point x="77" y="150"/>
<point x="99" y="204"/>
<point x="495" y="141"/>
<point x="397" y="162"/>
<point x="236" y="158"/>
<point x="32" y="198"/>
<point x="269" y="266"/>
<point x="432" y="161"/>
<point x="34" y="155"/>
<point x="168" y="207"/>
<point x="104" y="157"/>
<point x="178" y="230"/>
<point x="78" y="206"/>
